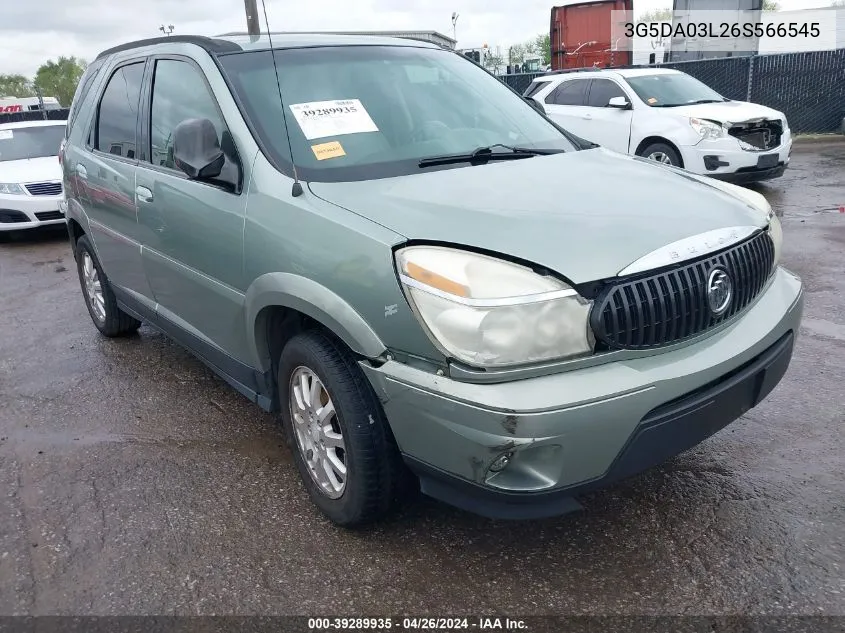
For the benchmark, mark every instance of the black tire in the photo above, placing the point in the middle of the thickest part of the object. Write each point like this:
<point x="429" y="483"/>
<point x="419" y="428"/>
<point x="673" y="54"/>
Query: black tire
<point x="115" y="322"/>
<point x="666" y="150"/>
<point x="375" y="474"/>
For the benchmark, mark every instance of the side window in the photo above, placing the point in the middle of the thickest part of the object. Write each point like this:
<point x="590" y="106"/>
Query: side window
<point x="118" y="113"/>
<point x="602" y="91"/>
<point x="180" y="93"/>
<point x="569" y="93"/>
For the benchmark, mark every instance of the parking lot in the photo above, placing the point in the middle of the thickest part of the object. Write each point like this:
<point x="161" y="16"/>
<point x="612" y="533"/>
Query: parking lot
<point x="136" y="482"/>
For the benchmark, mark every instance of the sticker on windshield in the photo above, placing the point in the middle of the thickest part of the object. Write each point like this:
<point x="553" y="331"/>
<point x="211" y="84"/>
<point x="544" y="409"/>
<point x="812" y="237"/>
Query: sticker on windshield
<point x="328" y="150"/>
<point x="332" y="118"/>
<point x="5" y="135"/>
<point x="652" y="100"/>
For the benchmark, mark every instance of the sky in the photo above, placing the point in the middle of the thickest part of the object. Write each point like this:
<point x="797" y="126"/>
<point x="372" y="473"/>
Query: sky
<point x="33" y="32"/>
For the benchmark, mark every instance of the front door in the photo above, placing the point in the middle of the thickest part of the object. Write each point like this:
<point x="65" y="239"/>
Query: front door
<point x="610" y="127"/>
<point x="192" y="231"/>
<point x="105" y="176"/>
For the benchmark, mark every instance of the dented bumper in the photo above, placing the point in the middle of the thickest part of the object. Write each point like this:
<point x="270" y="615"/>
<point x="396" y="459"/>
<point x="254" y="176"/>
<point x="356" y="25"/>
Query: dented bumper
<point x="570" y="432"/>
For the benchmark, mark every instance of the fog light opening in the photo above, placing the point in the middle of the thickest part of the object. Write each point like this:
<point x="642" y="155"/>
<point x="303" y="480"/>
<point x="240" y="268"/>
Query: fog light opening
<point x="500" y="463"/>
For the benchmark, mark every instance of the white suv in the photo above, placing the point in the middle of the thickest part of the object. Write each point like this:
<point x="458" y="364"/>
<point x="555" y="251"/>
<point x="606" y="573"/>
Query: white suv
<point x="30" y="175"/>
<point x="670" y="117"/>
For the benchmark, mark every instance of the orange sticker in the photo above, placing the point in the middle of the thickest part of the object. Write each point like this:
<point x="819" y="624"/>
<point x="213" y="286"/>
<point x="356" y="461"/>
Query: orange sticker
<point x="328" y="150"/>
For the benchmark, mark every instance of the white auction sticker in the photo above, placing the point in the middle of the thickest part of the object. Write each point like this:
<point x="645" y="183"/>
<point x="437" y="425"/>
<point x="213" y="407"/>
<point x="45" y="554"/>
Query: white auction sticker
<point x="5" y="135"/>
<point x="332" y="118"/>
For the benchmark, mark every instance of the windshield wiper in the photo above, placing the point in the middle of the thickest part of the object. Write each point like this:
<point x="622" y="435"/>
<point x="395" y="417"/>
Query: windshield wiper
<point x="485" y="154"/>
<point x="706" y="101"/>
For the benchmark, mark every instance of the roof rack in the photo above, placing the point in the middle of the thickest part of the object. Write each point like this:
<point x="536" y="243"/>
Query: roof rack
<point x="211" y="45"/>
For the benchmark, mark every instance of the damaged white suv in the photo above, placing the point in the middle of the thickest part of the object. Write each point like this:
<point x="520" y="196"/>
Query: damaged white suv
<point x="670" y="117"/>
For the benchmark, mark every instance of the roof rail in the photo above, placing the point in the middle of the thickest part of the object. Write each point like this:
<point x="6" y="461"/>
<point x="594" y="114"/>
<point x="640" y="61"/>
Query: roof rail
<point x="209" y="44"/>
<point x="592" y="69"/>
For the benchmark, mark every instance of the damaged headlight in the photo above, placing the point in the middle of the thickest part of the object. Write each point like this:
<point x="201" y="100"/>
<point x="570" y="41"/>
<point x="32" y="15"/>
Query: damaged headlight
<point x="707" y="129"/>
<point x="488" y="312"/>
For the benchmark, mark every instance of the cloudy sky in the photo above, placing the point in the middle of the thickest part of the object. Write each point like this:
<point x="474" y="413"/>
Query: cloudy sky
<point x="32" y="31"/>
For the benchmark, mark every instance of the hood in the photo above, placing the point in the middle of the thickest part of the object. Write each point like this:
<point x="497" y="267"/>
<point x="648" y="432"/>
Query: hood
<point x="728" y="111"/>
<point x="46" y="169"/>
<point x="586" y="215"/>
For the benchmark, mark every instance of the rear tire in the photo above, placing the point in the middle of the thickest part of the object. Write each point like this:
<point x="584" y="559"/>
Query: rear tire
<point x="360" y="482"/>
<point x="98" y="295"/>
<point x="662" y="153"/>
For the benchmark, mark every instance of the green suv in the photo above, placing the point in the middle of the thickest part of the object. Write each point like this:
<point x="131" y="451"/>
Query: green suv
<point x="430" y="281"/>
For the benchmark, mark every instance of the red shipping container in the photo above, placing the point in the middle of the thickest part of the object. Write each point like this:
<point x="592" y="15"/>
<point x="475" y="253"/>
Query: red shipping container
<point x="581" y="35"/>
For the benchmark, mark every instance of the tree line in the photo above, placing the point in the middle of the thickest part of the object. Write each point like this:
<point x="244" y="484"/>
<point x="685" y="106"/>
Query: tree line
<point x="54" y="79"/>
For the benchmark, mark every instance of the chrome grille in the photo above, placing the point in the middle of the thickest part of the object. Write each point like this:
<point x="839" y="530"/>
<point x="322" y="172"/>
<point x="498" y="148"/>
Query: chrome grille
<point x="665" y="307"/>
<point x="44" y="188"/>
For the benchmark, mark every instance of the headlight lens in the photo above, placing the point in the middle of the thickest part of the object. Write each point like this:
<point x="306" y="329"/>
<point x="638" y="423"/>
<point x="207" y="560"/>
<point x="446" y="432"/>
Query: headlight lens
<point x="707" y="129"/>
<point x="12" y="188"/>
<point x="488" y="312"/>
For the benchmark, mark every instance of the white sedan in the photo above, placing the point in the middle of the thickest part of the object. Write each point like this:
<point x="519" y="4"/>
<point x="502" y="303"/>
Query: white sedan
<point x="670" y="117"/>
<point x="30" y="175"/>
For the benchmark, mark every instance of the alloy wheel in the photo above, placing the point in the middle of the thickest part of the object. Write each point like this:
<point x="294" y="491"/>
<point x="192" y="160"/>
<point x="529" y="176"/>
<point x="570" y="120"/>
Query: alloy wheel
<point x="93" y="288"/>
<point x="318" y="433"/>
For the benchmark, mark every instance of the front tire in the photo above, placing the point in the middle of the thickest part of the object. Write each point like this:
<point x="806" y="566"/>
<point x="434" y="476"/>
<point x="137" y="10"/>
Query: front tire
<point x="662" y="153"/>
<point x="340" y="438"/>
<point x="99" y="297"/>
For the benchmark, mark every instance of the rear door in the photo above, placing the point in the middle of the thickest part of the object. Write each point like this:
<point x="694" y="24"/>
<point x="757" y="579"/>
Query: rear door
<point x="192" y="231"/>
<point x="565" y="105"/>
<point x="104" y="177"/>
<point x="609" y="127"/>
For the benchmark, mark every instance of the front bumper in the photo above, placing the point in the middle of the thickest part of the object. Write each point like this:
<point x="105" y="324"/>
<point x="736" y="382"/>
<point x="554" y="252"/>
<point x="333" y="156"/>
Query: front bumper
<point x="724" y="159"/>
<point x="18" y="212"/>
<point x="575" y="431"/>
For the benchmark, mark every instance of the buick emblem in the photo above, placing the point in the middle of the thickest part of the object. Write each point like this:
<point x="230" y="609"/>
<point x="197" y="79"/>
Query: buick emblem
<point x="719" y="291"/>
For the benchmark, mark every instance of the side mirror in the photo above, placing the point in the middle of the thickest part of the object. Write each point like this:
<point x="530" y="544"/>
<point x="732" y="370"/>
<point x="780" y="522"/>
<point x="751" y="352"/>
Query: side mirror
<point x="619" y="102"/>
<point x="536" y="105"/>
<point x="196" y="149"/>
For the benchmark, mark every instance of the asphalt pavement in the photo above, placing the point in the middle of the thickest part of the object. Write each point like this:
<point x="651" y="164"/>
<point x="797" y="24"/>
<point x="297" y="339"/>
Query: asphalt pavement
<point x="133" y="481"/>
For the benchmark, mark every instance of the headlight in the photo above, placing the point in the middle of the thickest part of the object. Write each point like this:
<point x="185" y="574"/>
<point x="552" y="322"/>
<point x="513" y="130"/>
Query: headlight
<point x="776" y="233"/>
<point x="12" y="188"/>
<point x="707" y="129"/>
<point x="491" y="313"/>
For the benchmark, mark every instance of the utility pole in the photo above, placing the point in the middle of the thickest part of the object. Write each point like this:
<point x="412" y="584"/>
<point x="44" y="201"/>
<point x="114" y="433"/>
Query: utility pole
<point x="455" y="17"/>
<point x="253" y="26"/>
<point x="167" y="30"/>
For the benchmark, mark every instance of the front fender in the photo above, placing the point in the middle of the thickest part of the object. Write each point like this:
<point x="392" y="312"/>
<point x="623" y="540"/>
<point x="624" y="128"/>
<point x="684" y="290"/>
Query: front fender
<point x="299" y="293"/>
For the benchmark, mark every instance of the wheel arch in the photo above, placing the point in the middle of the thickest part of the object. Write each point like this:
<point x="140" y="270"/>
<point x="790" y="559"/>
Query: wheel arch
<point x="279" y="305"/>
<point x="659" y="139"/>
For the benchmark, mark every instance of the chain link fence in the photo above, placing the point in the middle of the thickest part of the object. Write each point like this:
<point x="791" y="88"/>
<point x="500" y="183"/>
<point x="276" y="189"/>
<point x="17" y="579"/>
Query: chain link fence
<point x="809" y="88"/>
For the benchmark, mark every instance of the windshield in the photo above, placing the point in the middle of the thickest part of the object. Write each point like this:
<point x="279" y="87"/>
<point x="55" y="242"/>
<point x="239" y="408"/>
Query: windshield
<point x="671" y="90"/>
<point x="364" y="112"/>
<point x="30" y="142"/>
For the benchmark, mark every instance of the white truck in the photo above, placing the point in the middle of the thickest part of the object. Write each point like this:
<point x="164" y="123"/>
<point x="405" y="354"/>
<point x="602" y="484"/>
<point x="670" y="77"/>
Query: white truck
<point x="9" y="105"/>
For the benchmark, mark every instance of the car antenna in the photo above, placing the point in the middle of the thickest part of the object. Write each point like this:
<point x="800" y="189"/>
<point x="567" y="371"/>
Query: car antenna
<point x="297" y="186"/>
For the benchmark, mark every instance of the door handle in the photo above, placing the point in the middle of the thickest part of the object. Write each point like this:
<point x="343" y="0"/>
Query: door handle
<point x="81" y="172"/>
<point x="143" y="194"/>
<point x="588" y="117"/>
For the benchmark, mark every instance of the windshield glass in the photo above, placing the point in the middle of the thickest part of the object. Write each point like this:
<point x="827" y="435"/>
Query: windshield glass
<point x="364" y="112"/>
<point x="670" y="90"/>
<point x="30" y="142"/>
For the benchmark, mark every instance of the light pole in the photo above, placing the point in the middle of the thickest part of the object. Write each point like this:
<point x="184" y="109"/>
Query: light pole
<point x="167" y="30"/>
<point x="455" y="17"/>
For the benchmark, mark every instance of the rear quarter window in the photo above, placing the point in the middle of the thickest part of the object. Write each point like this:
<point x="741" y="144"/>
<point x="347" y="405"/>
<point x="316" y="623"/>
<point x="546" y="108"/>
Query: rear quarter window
<point x="82" y="91"/>
<point x="534" y="88"/>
